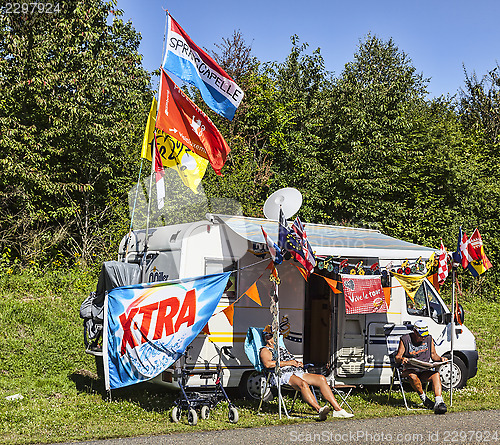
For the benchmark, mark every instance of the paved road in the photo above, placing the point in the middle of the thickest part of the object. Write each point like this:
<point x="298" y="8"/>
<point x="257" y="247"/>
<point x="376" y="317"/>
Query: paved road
<point x="453" y="428"/>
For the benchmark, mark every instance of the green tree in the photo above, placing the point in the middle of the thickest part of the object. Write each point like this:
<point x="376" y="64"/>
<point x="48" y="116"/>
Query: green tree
<point x="257" y="125"/>
<point x="365" y="148"/>
<point x="74" y="102"/>
<point x="478" y="107"/>
<point x="302" y="84"/>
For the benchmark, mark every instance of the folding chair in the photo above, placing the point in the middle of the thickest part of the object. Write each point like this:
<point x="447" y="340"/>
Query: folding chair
<point x="393" y="334"/>
<point x="254" y="342"/>
<point x="343" y="392"/>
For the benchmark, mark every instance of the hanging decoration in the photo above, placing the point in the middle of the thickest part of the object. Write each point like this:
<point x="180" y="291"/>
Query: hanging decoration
<point x="410" y="283"/>
<point x="332" y="284"/>
<point x="229" y="313"/>
<point x="363" y="294"/>
<point x="253" y="293"/>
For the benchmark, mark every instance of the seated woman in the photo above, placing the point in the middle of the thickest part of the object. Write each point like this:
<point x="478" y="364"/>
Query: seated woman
<point x="293" y="374"/>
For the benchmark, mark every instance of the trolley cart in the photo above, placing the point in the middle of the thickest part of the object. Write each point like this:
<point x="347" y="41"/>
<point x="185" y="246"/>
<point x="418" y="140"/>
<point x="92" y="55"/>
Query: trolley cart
<point x="204" y="398"/>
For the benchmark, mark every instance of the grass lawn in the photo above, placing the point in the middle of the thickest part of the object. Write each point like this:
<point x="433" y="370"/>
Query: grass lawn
<point x="42" y="358"/>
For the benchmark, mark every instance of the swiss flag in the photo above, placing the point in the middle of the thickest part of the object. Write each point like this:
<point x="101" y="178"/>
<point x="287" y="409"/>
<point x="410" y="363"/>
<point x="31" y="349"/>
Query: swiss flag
<point x="465" y="252"/>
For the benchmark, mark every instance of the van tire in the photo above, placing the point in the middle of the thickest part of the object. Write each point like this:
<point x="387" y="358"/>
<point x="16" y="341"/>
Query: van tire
<point x="251" y="385"/>
<point x="460" y="374"/>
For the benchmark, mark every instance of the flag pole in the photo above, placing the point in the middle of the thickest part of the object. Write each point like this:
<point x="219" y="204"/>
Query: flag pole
<point x="133" y="212"/>
<point x="277" y="324"/>
<point x="453" y="272"/>
<point x="153" y="161"/>
<point x="276" y="329"/>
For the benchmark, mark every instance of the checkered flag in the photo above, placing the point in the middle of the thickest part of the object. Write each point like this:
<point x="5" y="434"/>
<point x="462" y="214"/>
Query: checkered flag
<point x="443" y="264"/>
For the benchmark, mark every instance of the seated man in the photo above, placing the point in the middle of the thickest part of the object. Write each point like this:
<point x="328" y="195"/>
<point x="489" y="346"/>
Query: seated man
<point x="293" y="374"/>
<point x="419" y="345"/>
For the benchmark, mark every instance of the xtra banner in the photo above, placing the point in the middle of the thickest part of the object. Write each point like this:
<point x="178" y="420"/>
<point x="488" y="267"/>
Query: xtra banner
<point x="190" y="63"/>
<point x="363" y="294"/>
<point x="147" y="327"/>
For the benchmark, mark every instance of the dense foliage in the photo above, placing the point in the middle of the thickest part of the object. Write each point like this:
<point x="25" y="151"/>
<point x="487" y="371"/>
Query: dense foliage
<point x="73" y="99"/>
<point x="366" y="148"/>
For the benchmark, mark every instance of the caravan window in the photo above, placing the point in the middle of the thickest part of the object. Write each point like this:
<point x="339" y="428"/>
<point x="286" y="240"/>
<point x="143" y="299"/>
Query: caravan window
<point x="213" y="265"/>
<point x="418" y="305"/>
<point x="426" y="303"/>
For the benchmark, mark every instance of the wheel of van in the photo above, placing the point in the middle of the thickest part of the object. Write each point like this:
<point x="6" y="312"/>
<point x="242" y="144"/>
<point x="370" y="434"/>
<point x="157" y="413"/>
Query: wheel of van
<point x="175" y="414"/>
<point x="252" y="385"/>
<point x="192" y="417"/>
<point x="459" y="378"/>
<point x="233" y="415"/>
<point x="205" y="412"/>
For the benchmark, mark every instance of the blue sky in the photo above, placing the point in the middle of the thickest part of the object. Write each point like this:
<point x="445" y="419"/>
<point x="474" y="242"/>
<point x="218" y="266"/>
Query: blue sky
<point x="438" y="35"/>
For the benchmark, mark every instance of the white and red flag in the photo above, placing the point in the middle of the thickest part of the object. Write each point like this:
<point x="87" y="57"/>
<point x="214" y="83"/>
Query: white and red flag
<point x="190" y="63"/>
<point x="179" y="117"/>
<point x="465" y="250"/>
<point x="300" y="230"/>
<point x="442" y="265"/>
<point x="159" y="175"/>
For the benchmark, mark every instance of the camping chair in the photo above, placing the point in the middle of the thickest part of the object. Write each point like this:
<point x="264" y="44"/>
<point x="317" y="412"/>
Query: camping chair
<point x="342" y="391"/>
<point x="392" y="335"/>
<point x="253" y="344"/>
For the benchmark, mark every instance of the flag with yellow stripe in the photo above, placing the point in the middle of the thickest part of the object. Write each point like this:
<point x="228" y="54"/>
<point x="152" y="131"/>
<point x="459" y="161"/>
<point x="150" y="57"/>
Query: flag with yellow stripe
<point x="190" y="166"/>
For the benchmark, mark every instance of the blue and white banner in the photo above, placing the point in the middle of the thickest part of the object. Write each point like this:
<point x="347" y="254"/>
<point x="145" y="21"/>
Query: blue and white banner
<point x="147" y="327"/>
<point x="186" y="60"/>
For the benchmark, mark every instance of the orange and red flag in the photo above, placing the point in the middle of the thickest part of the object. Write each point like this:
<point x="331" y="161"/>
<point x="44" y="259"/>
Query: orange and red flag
<point x="179" y="117"/>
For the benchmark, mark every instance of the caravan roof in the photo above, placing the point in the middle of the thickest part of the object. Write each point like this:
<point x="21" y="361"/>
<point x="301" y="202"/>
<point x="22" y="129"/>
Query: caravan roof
<point x="331" y="240"/>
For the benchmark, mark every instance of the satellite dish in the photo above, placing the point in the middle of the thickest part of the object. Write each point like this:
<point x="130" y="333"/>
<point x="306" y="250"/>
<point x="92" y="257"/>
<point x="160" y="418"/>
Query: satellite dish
<point x="288" y="198"/>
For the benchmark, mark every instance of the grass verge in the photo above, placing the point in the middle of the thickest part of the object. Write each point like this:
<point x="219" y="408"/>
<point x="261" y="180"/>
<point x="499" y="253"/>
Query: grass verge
<point x="42" y="358"/>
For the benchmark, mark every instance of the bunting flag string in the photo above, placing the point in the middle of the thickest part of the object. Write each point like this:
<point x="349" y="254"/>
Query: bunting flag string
<point x="229" y="313"/>
<point x="302" y="271"/>
<point x="333" y="285"/>
<point x="252" y="292"/>
<point x="338" y="266"/>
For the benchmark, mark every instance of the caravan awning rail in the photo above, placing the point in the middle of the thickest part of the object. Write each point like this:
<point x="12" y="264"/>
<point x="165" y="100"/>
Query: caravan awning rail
<point x="331" y="240"/>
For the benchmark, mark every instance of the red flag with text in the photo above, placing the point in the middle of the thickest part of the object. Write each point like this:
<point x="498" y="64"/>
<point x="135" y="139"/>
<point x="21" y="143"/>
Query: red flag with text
<point x="363" y="294"/>
<point x="179" y="117"/>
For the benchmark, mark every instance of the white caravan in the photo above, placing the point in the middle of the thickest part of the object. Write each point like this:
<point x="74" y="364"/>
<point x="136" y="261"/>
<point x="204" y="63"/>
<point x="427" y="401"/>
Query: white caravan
<point x="312" y="317"/>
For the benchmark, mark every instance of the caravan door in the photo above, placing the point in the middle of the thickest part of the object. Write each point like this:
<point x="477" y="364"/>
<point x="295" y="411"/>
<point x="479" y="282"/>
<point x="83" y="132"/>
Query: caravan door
<point x="349" y="349"/>
<point x="349" y="341"/>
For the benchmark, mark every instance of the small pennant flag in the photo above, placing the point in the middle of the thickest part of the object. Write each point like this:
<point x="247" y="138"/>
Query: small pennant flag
<point x="253" y="293"/>
<point x="333" y="285"/>
<point x="229" y="313"/>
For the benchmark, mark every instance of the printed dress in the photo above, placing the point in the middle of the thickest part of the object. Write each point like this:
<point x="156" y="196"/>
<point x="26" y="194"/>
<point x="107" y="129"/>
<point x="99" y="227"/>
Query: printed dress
<point x="286" y="371"/>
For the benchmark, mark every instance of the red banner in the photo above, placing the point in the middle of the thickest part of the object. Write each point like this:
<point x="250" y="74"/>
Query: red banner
<point x="363" y="294"/>
<point x="179" y="117"/>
